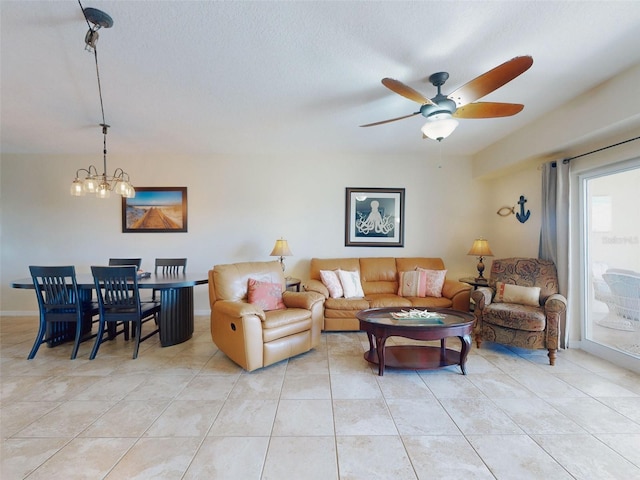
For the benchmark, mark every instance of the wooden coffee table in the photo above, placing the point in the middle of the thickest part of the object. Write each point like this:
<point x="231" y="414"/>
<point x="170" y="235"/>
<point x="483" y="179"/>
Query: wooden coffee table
<point x="380" y="325"/>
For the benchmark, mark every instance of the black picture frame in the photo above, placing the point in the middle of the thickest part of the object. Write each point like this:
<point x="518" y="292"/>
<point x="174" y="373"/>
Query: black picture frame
<point x="155" y="210"/>
<point x="374" y="217"/>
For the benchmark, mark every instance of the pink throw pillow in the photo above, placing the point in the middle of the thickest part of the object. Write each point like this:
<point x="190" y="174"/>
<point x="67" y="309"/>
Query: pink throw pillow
<point x="412" y="284"/>
<point x="267" y="296"/>
<point x="434" y="282"/>
<point x="332" y="282"/>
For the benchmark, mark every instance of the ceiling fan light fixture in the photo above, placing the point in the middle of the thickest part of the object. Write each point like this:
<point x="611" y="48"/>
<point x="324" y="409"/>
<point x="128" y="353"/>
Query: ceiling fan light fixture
<point x="439" y="126"/>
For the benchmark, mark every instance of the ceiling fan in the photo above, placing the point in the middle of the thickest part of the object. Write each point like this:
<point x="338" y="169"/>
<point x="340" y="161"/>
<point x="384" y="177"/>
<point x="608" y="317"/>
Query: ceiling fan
<point x="442" y="110"/>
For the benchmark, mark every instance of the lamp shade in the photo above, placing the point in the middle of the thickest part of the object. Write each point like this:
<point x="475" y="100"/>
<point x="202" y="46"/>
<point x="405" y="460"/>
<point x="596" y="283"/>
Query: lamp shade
<point x="480" y="248"/>
<point x="439" y="126"/>
<point x="281" y="249"/>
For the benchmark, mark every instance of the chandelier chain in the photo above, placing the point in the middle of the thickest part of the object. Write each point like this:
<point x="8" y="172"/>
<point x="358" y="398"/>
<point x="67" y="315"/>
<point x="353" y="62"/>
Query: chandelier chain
<point x="104" y="123"/>
<point x="95" y="56"/>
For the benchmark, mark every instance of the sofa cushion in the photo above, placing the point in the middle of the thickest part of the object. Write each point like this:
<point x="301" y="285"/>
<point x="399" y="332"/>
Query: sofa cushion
<point x="431" y="302"/>
<point x="379" y="275"/>
<point x="507" y="293"/>
<point x="412" y="283"/>
<point x="351" y="284"/>
<point x="404" y="264"/>
<point x="383" y="300"/>
<point x="231" y="281"/>
<point x="434" y="280"/>
<point x="347" y="304"/>
<point x="283" y="323"/>
<point x="266" y="295"/>
<point x="331" y="280"/>
<point x="376" y="269"/>
<point x="318" y="264"/>
<point x="527" y="272"/>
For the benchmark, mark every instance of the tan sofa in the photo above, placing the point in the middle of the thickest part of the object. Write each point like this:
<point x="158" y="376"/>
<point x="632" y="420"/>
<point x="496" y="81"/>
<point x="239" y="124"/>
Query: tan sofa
<point x="250" y="336"/>
<point x="379" y="278"/>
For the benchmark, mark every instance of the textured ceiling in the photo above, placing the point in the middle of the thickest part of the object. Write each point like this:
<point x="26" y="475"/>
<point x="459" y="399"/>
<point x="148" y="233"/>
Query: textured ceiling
<point x="196" y="77"/>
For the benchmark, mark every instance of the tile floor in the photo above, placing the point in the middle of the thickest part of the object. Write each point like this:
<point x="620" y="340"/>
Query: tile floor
<point x="620" y="334"/>
<point x="187" y="412"/>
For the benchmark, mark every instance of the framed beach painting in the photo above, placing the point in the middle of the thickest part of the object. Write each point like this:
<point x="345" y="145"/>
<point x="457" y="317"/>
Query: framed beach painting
<point x="374" y="217"/>
<point x="155" y="209"/>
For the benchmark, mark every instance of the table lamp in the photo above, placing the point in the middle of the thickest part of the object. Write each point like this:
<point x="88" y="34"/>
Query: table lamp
<point x="281" y="249"/>
<point x="480" y="248"/>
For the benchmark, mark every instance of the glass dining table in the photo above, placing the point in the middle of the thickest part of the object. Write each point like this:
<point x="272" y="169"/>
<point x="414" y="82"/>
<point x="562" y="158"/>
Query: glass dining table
<point x="176" y="298"/>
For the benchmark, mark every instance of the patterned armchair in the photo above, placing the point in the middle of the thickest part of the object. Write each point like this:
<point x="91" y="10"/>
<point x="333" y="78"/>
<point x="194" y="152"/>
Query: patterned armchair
<point x="521" y="305"/>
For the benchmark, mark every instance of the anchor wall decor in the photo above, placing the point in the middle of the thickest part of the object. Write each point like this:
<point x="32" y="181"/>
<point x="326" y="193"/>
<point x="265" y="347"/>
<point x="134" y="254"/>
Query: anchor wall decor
<point x="522" y="216"/>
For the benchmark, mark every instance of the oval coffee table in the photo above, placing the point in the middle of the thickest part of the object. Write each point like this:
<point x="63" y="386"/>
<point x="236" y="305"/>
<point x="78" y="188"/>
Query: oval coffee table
<point x="379" y="324"/>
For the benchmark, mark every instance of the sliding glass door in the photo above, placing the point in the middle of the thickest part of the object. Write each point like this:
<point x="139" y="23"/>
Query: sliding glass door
<point x="610" y="233"/>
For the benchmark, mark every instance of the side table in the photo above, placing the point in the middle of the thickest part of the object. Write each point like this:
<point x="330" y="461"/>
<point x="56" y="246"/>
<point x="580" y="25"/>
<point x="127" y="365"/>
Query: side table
<point x="293" y="283"/>
<point x="473" y="282"/>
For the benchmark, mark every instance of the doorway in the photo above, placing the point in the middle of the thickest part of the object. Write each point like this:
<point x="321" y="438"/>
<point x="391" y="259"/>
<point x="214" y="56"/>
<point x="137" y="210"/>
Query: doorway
<point x="610" y="257"/>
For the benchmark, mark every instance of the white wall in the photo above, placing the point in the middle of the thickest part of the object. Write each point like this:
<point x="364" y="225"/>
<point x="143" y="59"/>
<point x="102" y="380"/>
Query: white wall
<point x="507" y="236"/>
<point x="237" y="208"/>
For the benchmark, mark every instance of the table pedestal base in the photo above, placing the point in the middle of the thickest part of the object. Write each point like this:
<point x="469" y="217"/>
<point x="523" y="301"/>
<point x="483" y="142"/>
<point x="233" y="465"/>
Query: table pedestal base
<point x="176" y="315"/>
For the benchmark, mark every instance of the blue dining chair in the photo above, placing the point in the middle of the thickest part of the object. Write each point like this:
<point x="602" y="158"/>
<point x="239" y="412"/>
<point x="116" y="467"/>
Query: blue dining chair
<point x="59" y="303"/>
<point x="169" y="266"/>
<point x="119" y="302"/>
<point x="114" y="262"/>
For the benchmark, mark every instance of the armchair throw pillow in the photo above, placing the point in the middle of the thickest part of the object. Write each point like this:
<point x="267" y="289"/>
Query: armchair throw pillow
<point x="265" y="295"/>
<point x="508" y="293"/>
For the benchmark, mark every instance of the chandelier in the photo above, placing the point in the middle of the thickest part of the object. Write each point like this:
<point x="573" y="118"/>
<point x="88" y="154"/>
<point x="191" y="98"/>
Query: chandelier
<point x="100" y="183"/>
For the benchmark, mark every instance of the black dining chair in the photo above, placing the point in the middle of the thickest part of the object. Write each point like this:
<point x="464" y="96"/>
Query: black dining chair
<point x="116" y="262"/>
<point x="113" y="262"/>
<point x="59" y="303"/>
<point x="119" y="302"/>
<point x="169" y="266"/>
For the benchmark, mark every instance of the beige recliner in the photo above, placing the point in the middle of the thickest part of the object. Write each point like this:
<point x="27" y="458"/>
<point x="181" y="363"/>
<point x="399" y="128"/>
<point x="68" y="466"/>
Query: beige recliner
<point x="250" y="336"/>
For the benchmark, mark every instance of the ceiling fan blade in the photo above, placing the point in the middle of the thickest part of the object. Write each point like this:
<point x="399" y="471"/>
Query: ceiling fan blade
<point x="490" y="81"/>
<point x="488" y="110"/>
<point x="406" y="91"/>
<point x="390" y="120"/>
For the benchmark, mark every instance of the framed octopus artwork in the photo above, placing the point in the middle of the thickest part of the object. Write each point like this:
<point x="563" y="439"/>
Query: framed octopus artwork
<point x="374" y="217"/>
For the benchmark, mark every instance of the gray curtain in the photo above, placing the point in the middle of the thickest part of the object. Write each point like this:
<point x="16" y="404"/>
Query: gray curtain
<point x="554" y="232"/>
